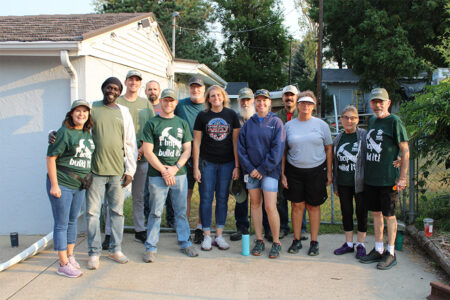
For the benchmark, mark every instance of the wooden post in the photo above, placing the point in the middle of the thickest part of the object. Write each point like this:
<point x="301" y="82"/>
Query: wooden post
<point x="319" y="61"/>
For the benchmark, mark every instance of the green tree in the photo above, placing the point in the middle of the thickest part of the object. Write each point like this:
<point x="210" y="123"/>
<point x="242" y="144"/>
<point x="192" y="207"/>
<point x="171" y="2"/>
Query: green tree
<point x="256" y="44"/>
<point x="383" y="40"/>
<point x="427" y="118"/>
<point x="192" y="43"/>
<point x="304" y="62"/>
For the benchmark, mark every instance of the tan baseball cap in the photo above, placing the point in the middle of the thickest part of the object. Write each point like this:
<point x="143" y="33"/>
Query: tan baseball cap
<point x="132" y="73"/>
<point x="80" y="102"/>
<point x="290" y="89"/>
<point x="379" y="93"/>
<point x="245" y="93"/>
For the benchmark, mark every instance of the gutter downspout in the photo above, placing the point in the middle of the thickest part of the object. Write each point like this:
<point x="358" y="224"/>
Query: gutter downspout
<point x="65" y="61"/>
<point x="30" y="251"/>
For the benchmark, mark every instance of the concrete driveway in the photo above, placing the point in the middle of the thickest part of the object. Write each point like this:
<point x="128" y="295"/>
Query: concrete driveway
<point x="218" y="275"/>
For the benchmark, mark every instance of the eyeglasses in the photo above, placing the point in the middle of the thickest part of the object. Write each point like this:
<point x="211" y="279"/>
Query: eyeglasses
<point x="349" y="118"/>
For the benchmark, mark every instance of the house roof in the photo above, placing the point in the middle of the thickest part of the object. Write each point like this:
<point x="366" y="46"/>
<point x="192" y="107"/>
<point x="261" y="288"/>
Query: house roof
<point x="234" y="87"/>
<point x="62" y="27"/>
<point x="339" y="76"/>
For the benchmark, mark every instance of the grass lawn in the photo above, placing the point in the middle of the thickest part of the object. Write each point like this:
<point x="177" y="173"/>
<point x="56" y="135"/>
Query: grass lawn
<point x="230" y="222"/>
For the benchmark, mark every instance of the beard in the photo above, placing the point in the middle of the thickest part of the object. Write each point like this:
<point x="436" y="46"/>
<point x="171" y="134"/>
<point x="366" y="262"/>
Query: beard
<point x="152" y="98"/>
<point x="246" y="113"/>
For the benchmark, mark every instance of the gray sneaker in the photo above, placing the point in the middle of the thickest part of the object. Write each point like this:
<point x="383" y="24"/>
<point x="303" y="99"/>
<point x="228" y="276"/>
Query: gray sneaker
<point x="149" y="257"/>
<point x="190" y="251"/>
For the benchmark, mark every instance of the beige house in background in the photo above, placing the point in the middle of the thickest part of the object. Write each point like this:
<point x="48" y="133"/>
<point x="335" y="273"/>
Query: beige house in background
<point x="47" y="62"/>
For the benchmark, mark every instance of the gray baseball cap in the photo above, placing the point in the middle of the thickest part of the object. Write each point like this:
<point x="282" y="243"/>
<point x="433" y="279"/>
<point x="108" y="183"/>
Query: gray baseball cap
<point x="245" y="93"/>
<point x="290" y="89"/>
<point x="196" y="80"/>
<point x="379" y="93"/>
<point x="262" y="92"/>
<point x="80" y="102"/>
<point x="168" y="93"/>
<point x="134" y="73"/>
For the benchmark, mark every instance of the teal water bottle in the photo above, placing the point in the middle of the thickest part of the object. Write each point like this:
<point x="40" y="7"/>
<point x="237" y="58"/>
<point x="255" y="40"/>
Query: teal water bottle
<point x="245" y="244"/>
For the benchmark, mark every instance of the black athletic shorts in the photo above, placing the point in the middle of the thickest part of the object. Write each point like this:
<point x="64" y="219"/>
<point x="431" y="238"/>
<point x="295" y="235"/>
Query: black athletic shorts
<point x="309" y="185"/>
<point x="381" y="198"/>
<point x="190" y="173"/>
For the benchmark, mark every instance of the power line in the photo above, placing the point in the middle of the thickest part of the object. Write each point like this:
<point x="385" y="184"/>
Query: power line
<point x="239" y="31"/>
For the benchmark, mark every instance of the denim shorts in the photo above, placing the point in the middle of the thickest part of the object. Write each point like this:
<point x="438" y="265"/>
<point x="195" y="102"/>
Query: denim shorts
<point x="268" y="184"/>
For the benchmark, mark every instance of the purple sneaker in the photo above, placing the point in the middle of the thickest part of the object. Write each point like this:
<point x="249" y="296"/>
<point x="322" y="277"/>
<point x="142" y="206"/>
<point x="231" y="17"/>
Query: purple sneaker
<point x="344" y="249"/>
<point x="69" y="271"/>
<point x="360" y="251"/>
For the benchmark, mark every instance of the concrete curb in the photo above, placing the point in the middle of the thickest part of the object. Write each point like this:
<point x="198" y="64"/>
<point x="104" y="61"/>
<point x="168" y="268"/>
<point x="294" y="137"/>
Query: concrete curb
<point x="429" y="247"/>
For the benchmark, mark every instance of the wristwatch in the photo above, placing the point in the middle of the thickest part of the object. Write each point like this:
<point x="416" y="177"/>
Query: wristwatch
<point x="178" y="166"/>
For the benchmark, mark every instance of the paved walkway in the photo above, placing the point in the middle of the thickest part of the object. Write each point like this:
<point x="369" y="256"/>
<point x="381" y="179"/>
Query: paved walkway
<point x="217" y="275"/>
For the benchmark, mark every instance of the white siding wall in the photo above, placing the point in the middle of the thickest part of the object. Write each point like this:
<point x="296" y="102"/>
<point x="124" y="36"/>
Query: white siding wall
<point x="34" y="97"/>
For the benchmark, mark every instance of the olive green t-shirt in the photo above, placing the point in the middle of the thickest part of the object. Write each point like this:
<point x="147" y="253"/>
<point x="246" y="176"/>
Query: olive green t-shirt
<point x="141" y="111"/>
<point x="383" y="137"/>
<point x="346" y="159"/>
<point x="167" y="137"/>
<point x="108" y="133"/>
<point x="73" y="149"/>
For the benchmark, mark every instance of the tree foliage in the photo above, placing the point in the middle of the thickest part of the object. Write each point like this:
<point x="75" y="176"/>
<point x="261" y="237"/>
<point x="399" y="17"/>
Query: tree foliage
<point x="304" y="62"/>
<point x="427" y="120"/>
<point x="383" y="40"/>
<point x="194" y="14"/>
<point x="256" y="44"/>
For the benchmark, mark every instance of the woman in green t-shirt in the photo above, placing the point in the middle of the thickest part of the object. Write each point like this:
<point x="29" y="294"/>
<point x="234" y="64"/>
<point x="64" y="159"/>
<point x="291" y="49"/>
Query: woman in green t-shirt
<point x="348" y="179"/>
<point x="68" y="163"/>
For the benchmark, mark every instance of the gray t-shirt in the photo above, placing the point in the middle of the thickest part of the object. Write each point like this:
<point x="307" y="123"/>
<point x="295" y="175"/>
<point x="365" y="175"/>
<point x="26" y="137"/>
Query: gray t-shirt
<point x="306" y="141"/>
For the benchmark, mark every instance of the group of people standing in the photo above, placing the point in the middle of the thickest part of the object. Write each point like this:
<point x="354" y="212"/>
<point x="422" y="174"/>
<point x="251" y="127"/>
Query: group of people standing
<point x="103" y="147"/>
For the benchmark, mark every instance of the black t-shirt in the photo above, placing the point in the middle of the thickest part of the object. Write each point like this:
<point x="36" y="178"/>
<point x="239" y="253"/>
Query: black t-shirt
<point x="217" y="134"/>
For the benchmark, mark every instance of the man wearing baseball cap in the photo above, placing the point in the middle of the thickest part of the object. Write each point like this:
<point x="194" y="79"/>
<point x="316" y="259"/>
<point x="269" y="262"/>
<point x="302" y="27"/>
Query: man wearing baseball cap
<point x="167" y="147"/>
<point x="141" y="111"/>
<point x="188" y="109"/>
<point x="246" y="111"/>
<point x="386" y="139"/>
<point x="287" y="113"/>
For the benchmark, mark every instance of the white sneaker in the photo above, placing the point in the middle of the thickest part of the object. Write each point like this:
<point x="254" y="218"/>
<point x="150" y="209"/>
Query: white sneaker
<point x="220" y="243"/>
<point x="93" y="262"/>
<point x="206" y="244"/>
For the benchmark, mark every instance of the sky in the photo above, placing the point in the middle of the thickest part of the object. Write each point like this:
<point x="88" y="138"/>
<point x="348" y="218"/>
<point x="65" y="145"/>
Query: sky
<point x="37" y="7"/>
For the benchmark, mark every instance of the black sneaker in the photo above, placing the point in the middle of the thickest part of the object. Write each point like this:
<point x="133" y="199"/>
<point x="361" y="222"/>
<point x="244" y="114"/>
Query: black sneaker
<point x="258" y="248"/>
<point x="275" y="251"/>
<point x="268" y="237"/>
<point x="313" y="248"/>
<point x="198" y="236"/>
<point x="387" y="261"/>
<point x="295" y="247"/>
<point x="236" y="236"/>
<point x="105" y="244"/>
<point x="283" y="233"/>
<point x="373" y="257"/>
<point x="140" y="236"/>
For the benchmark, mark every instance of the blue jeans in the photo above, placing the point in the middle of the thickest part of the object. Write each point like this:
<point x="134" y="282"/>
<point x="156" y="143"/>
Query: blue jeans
<point x="215" y="178"/>
<point x="158" y="195"/>
<point x="65" y="215"/>
<point x="109" y="187"/>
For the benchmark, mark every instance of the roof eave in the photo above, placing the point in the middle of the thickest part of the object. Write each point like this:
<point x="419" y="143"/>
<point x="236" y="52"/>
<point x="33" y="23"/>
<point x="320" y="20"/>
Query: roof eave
<point x="40" y="48"/>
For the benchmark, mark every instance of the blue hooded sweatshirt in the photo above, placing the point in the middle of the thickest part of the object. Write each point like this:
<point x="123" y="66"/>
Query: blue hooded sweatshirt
<point x="261" y="145"/>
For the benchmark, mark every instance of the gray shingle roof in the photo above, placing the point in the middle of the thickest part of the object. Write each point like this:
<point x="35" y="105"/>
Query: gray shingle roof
<point x="234" y="87"/>
<point x="339" y="76"/>
<point x="62" y="27"/>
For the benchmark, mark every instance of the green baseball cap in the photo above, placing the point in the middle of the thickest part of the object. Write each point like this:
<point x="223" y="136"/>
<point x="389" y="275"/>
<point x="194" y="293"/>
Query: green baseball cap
<point x="245" y="93"/>
<point x="379" y="93"/>
<point x="80" y="102"/>
<point x="132" y="73"/>
<point x="168" y="93"/>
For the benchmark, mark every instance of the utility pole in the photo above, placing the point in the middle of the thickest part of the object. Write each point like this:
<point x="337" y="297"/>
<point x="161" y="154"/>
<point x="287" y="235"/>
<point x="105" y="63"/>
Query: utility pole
<point x="172" y="79"/>
<point x="319" y="61"/>
<point x="290" y="58"/>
